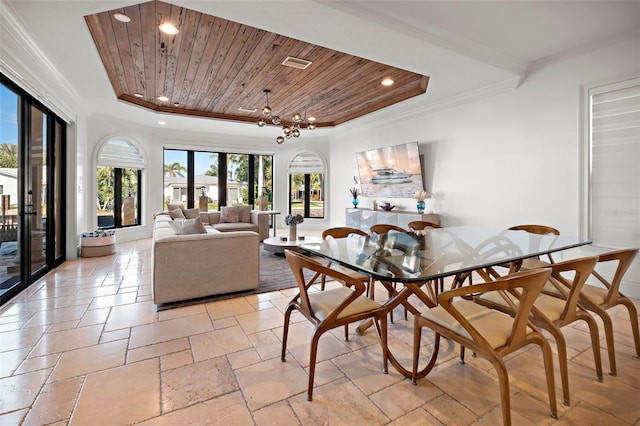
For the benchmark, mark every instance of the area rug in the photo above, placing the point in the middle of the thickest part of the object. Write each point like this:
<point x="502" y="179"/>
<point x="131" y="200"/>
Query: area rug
<point x="275" y="274"/>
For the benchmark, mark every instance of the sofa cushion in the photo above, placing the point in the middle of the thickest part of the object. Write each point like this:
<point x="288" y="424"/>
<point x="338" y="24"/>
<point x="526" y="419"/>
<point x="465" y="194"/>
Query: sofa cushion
<point x="240" y="226"/>
<point x="191" y="213"/>
<point x="244" y="214"/>
<point x="229" y="214"/>
<point x="188" y="226"/>
<point x="171" y="206"/>
<point x="176" y="214"/>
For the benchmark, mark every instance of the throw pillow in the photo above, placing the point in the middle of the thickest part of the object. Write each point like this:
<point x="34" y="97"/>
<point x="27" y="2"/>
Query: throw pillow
<point x="188" y="226"/>
<point x="176" y="214"/>
<point x="191" y="213"/>
<point x="244" y="214"/>
<point x="171" y="206"/>
<point x="229" y="214"/>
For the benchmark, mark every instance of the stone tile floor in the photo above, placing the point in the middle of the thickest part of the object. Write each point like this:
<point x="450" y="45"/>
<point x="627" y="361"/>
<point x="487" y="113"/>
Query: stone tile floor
<point x="85" y="345"/>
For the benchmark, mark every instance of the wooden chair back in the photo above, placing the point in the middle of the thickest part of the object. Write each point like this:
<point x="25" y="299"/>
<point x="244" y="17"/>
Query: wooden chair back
<point x="419" y="225"/>
<point x="342" y="232"/>
<point x="385" y="228"/>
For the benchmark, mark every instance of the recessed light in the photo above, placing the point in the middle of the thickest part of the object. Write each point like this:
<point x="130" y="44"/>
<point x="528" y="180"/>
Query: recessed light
<point x="168" y="28"/>
<point x="138" y="95"/>
<point x="311" y="119"/>
<point x="162" y="123"/>
<point x="387" y="82"/>
<point x="163" y="98"/>
<point x="121" y="17"/>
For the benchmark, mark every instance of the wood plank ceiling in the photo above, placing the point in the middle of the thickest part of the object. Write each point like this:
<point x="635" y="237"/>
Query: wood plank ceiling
<point x="218" y="69"/>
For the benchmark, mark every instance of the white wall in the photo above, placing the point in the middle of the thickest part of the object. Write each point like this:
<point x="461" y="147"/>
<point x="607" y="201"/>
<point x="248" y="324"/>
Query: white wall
<point x="509" y="159"/>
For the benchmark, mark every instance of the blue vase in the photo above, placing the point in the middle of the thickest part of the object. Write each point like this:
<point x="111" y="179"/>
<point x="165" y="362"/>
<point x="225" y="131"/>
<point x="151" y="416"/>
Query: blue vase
<point x="420" y="206"/>
<point x="355" y="202"/>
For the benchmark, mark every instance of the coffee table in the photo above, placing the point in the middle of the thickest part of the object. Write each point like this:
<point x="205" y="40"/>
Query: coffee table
<point x="281" y="243"/>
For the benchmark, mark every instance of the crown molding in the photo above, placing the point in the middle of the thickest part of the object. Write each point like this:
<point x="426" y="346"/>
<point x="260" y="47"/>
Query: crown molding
<point x="402" y="111"/>
<point x="19" y="67"/>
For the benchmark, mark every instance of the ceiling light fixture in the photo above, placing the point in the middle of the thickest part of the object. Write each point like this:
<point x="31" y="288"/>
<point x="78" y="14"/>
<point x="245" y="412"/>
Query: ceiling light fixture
<point x="138" y="95"/>
<point x="387" y="82"/>
<point x="163" y="98"/>
<point x="168" y="28"/>
<point x="121" y="17"/>
<point x="290" y="130"/>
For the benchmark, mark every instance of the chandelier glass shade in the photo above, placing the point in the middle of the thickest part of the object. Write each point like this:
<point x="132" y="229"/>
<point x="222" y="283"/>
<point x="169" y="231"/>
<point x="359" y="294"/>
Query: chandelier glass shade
<point x="289" y="130"/>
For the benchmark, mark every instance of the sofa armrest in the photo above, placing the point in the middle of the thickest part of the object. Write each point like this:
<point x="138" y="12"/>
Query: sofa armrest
<point x="261" y="219"/>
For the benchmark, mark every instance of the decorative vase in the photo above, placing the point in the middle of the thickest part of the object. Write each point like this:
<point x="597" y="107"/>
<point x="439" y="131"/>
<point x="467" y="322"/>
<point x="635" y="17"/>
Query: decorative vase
<point x="293" y="232"/>
<point x="355" y="202"/>
<point x="420" y="206"/>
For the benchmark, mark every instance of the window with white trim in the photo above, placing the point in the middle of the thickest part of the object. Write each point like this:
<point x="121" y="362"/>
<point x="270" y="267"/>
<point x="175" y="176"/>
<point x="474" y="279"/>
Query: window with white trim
<point x="614" y="175"/>
<point x="119" y="178"/>
<point x="306" y="185"/>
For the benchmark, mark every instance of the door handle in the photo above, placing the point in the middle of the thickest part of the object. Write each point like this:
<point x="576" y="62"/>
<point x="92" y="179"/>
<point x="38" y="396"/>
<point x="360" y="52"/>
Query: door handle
<point x="30" y="207"/>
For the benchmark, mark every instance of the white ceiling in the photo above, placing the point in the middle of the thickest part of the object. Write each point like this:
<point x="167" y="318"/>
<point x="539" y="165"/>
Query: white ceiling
<point x="464" y="46"/>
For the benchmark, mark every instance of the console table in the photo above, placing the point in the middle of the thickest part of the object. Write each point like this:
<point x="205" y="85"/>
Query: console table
<point x="365" y="218"/>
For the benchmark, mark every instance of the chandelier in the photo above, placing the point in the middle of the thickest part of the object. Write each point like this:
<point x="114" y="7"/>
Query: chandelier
<point x="289" y="130"/>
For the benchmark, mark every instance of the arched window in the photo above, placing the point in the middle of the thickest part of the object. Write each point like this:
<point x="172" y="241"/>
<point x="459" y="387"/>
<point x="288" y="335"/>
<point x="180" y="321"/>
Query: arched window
<point x="119" y="189"/>
<point x="306" y="185"/>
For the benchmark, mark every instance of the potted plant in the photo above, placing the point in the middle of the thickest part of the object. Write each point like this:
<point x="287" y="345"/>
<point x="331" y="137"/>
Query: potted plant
<point x="292" y="222"/>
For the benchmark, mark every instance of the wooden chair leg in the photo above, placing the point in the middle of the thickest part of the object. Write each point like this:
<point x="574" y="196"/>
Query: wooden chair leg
<point x="633" y="317"/>
<point x="462" y="351"/>
<point x="608" y="334"/>
<point x="505" y="397"/>
<point x="285" y="331"/>
<point x="561" y="344"/>
<point x="381" y="326"/>
<point x="547" y="357"/>
<point x="595" y="342"/>
<point x="312" y="363"/>
<point x="417" y="336"/>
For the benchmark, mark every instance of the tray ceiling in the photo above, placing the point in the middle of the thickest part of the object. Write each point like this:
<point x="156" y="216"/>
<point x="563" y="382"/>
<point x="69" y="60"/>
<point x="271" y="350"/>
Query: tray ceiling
<point x="217" y="68"/>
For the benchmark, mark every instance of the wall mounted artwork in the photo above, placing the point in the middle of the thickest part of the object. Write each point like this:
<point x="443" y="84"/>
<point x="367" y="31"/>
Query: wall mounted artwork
<point x="393" y="171"/>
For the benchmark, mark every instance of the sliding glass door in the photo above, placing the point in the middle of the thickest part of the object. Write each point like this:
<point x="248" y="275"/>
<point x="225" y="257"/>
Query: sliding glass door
<point x="31" y="187"/>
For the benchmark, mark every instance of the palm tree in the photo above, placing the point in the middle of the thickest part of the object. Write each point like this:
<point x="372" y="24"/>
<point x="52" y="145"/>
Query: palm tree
<point x="174" y="170"/>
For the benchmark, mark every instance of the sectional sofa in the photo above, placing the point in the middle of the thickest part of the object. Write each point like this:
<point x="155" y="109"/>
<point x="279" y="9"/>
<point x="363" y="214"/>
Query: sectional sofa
<point x="193" y="265"/>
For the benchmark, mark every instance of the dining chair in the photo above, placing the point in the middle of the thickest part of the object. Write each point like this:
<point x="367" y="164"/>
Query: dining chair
<point x="419" y="225"/>
<point x="384" y="228"/>
<point x="602" y="294"/>
<point x="551" y="313"/>
<point x="489" y="333"/>
<point x="344" y="232"/>
<point x="330" y="309"/>
<point x="381" y="229"/>
<point x="539" y="230"/>
<point x="529" y="263"/>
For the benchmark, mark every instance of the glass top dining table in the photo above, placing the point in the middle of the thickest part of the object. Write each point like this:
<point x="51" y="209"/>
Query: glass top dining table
<point x="437" y="253"/>
<point x="420" y="259"/>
